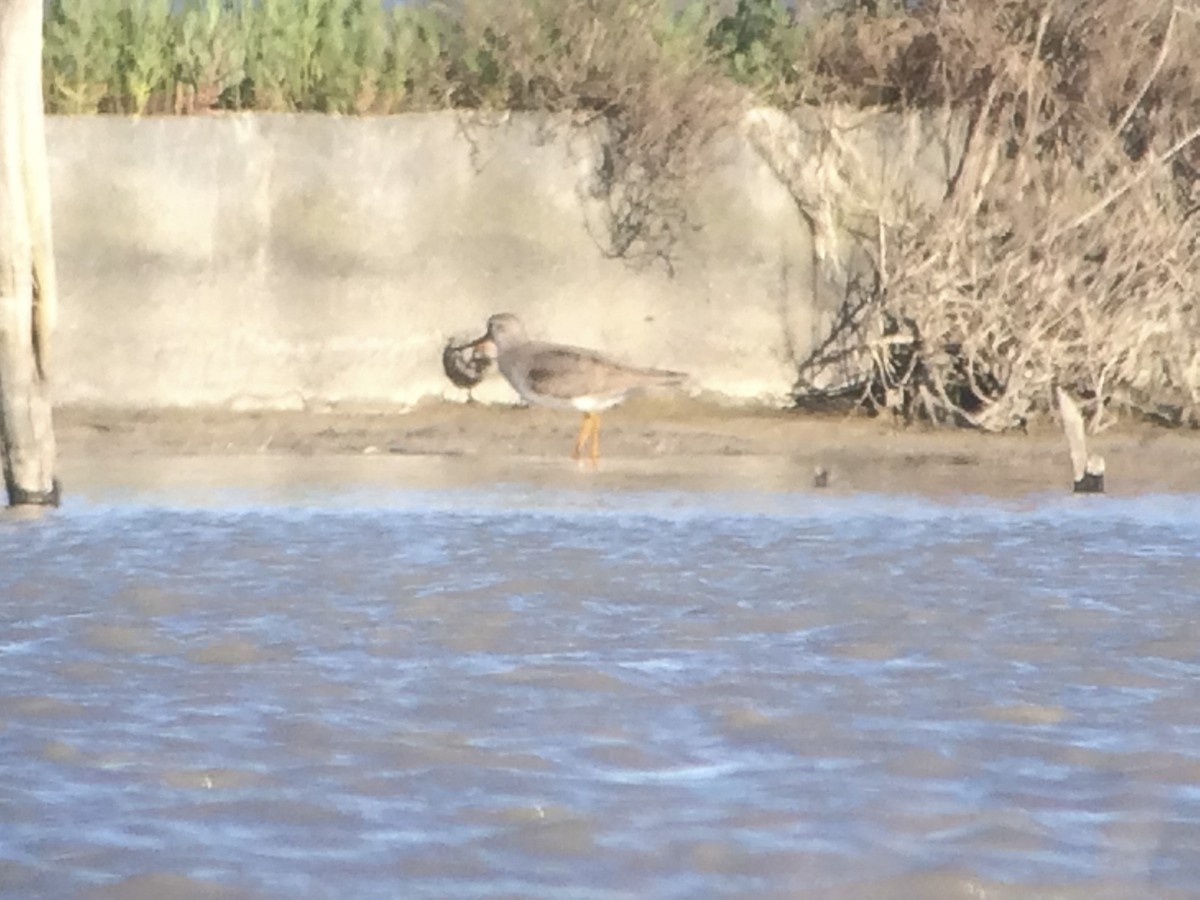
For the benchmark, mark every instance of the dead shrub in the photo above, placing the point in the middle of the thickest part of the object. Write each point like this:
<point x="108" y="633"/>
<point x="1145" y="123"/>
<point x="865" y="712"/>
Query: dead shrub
<point x="1067" y="250"/>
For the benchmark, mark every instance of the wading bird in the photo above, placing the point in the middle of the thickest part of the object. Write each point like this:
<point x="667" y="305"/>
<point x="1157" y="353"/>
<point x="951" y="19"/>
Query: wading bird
<point x="564" y="377"/>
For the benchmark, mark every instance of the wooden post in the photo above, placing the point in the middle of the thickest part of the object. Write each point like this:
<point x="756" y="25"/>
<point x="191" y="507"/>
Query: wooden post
<point x="1088" y="470"/>
<point x="28" y="284"/>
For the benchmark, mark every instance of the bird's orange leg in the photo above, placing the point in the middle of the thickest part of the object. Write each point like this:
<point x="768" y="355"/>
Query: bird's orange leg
<point x="595" y="455"/>
<point x="586" y="429"/>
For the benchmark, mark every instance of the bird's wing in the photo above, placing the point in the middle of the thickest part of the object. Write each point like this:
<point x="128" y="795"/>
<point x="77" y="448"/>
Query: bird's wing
<point x="568" y="372"/>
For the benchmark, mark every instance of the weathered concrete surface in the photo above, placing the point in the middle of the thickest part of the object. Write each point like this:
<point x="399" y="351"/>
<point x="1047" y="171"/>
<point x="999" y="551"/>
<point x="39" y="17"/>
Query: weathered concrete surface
<point x="273" y="261"/>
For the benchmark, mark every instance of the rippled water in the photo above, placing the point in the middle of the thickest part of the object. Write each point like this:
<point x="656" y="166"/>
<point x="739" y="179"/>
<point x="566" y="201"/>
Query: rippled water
<point x="573" y="689"/>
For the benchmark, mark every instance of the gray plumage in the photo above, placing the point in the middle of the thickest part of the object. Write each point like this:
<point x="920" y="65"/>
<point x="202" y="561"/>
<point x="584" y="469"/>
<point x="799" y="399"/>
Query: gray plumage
<point x="559" y="375"/>
<point x="566" y="377"/>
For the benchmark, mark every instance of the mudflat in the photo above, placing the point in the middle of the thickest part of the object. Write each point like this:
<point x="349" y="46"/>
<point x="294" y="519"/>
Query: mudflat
<point x="859" y="452"/>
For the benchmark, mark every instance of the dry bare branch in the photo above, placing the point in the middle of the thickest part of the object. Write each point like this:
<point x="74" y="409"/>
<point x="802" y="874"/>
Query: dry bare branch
<point x="1065" y="252"/>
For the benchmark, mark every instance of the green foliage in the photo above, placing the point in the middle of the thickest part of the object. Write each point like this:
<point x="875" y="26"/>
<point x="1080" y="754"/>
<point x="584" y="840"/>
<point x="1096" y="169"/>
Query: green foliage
<point x="338" y="56"/>
<point x="414" y="74"/>
<point x="282" y="38"/>
<point x="210" y="49"/>
<point x="748" y="39"/>
<point x="765" y="47"/>
<point x="678" y="32"/>
<point x="145" y="60"/>
<point x="349" y="55"/>
<point x="81" y="53"/>
<point x="361" y="57"/>
<point x="356" y="56"/>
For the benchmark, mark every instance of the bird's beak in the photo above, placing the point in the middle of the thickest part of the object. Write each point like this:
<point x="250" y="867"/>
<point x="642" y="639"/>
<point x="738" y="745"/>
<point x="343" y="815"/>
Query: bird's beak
<point x="484" y="345"/>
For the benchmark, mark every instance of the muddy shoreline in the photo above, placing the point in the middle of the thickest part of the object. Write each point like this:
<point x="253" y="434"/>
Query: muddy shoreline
<point x="859" y="452"/>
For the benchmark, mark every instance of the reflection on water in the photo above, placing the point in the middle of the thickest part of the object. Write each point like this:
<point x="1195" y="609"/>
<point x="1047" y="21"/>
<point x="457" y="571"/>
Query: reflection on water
<point x="554" y="689"/>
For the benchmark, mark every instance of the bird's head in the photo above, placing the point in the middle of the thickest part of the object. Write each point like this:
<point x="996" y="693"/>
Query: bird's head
<point x="503" y="330"/>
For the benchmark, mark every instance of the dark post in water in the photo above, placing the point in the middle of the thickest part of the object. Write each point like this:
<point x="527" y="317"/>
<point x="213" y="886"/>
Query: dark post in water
<point x="28" y="288"/>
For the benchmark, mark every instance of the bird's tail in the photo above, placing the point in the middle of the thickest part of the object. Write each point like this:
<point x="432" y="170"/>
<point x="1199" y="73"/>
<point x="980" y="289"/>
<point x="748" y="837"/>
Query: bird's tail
<point x="664" y="377"/>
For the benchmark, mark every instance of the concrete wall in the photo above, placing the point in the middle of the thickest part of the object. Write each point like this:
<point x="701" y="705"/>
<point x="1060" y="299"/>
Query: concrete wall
<point x="266" y="261"/>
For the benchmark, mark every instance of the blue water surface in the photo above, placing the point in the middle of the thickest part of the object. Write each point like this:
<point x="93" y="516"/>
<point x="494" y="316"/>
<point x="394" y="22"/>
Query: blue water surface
<point x="538" y="690"/>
